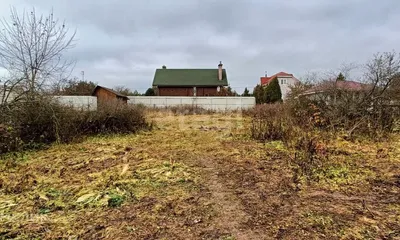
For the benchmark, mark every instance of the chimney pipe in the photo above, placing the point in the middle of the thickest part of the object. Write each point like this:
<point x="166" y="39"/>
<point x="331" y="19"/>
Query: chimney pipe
<point x="164" y="67"/>
<point x="266" y="75"/>
<point x="220" y="71"/>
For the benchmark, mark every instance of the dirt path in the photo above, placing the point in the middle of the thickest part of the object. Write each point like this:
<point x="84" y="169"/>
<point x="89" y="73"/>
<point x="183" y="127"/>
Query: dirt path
<point x="214" y="161"/>
<point x="235" y="182"/>
<point x="230" y="210"/>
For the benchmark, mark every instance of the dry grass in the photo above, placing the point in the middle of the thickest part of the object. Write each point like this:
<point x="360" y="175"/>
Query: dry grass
<point x="199" y="177"/>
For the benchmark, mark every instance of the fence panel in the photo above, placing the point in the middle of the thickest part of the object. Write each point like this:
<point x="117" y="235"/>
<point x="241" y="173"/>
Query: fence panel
<point x="79" y="102"/>
<point x="211" y="103"/>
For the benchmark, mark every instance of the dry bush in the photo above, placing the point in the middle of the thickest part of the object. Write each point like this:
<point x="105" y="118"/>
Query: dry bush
<point x="8" y="141"/>
<point x="306" y="126"/>
<point x="115" y="117"/>
<point x="32" y="124"/>
<point x="271" y="122"/>
<point x="348" y="115"/>
<point x="284" y="122"/>
<point x="309" y="155"/>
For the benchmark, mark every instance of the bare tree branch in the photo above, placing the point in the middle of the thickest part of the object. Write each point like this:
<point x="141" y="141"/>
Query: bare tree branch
<point x="31" y="50"/>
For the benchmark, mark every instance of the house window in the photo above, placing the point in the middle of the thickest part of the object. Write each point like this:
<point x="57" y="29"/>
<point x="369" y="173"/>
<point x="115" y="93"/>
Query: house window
<point x="194" y="91"/>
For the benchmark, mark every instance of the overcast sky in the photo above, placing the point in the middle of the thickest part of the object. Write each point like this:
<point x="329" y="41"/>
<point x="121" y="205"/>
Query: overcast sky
<point x="122" y="42"/>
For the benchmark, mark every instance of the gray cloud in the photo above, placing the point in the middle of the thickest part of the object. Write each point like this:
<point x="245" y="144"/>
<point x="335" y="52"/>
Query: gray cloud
<point x="122" y="42"/>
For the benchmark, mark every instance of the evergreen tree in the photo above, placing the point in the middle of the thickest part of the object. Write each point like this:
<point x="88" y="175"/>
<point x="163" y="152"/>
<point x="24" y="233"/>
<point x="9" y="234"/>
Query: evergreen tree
<point x="229" y="91"/>
<point x="258" y="93"/>
<point x="136" y="93"/>
<point x="340" y="77"/>
<point x="273" y="92"/>
<point x="150" y="92"/>
<point x="246" y="93"/>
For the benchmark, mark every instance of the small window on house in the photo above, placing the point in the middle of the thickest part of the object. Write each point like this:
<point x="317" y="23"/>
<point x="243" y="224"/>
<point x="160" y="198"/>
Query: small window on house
<point x="194" y="91"/>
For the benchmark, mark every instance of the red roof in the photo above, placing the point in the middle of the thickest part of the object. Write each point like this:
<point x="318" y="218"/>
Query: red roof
<point x="266" y="80"/>
<point x="341" y="85"/>
<point x="350" y="85"/>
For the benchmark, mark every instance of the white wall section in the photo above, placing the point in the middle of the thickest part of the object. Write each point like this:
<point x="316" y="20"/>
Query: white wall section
<point x="79" y="102"/>
<point x="210" y="103"/>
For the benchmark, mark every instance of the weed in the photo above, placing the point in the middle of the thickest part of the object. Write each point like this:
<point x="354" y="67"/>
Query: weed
<point x="115" y="200"/>
<point x="321" y="222"/>
<point x="52" y="193"/>
<point x="44" y="210"/>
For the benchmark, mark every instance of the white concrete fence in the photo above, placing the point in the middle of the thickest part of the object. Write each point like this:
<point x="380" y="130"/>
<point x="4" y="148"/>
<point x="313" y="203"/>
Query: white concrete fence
<point x="210" y="103"/>
<point x="78" y="102"/>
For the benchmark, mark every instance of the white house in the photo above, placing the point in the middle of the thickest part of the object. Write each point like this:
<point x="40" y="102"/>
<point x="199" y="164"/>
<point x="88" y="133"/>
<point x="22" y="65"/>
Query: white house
<point x="286" y="80"/>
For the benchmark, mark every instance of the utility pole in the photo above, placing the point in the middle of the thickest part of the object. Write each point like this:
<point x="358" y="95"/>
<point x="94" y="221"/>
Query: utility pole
<point x="83" y="76"/>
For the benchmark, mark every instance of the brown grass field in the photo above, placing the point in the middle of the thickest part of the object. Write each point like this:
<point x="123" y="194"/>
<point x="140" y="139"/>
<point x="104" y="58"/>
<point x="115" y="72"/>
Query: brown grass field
<point x="199" y="177"/>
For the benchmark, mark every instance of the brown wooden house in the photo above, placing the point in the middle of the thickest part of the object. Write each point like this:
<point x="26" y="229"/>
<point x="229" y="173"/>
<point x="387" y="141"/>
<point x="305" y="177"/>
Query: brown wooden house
<point x="105" y="95"/>
<point x="189" y="82"/>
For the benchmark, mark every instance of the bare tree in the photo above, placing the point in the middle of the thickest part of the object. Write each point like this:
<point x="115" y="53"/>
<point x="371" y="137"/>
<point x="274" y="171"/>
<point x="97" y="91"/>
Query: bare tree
<point x="373" y="106"/>
<point x="345" y="69"/>
<point x="311" y="77"/>
<point x="382" y="73"/>
<point x="123" y="90"/>
<point x="31" y="51"/>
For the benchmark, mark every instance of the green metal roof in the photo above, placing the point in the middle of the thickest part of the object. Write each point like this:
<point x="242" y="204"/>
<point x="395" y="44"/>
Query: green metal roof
<point x="189" y="77"/>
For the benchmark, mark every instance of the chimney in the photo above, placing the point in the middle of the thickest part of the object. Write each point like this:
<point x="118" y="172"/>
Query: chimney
<point x="266" y="75"/>
<point x="164" y="67"/>
<point x="220" y="71"/>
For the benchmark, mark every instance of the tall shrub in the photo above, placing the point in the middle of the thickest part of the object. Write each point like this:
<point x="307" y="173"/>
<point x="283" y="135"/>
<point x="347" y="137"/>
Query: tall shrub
<point x="34" y="123"/>
<point x="150" y="92"/>
<point x="273" y="92"/>
<point x="259" y="94"/>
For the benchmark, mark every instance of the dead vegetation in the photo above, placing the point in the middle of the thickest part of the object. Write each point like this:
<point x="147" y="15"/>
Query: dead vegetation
<point x="34" y="124"/>
<point x="200" y="177"/>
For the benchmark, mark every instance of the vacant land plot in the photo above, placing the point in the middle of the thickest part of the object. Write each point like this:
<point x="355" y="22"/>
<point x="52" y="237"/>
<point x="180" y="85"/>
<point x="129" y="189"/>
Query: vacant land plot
<point x="199" y="177"/>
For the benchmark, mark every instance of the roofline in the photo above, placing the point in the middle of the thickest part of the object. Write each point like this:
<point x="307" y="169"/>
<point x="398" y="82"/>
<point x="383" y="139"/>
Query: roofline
<point x="110" y="90"/>
<point x="329" y="90"/>
<point x="281" y="76"/>
<point x="189" y="69"/>
<point x="311" y="93"/>
<point x="192" y="85"/>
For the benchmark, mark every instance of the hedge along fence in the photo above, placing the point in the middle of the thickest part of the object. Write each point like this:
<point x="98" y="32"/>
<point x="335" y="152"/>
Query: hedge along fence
<point x="31" y="124"/>
<point x="207" y="103"/>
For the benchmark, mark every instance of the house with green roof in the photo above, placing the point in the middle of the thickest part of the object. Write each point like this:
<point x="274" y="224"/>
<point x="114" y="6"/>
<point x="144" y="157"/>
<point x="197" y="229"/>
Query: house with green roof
<point x="189" y="82"/>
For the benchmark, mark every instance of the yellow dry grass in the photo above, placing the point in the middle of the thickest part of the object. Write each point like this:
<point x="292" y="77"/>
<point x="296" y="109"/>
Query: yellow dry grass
<point x="197" y="176"/>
